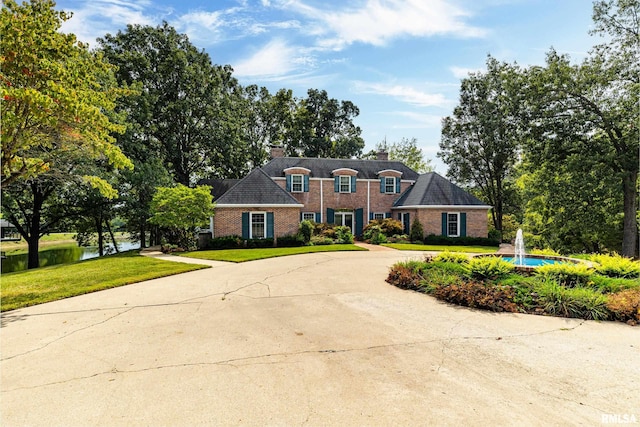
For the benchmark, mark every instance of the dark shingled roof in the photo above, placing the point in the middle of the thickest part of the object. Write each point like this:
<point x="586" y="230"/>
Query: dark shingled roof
<point x="256" y="189"/>
<point x="218" y="186"/>
<point x="321" y="168"/>
<point x="431" y="189"/>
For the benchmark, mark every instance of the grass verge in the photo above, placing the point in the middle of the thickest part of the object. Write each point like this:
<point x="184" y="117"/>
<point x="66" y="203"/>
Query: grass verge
<point x="242" y="255"/>
<point x="31" y="287"/>
<point x="441" y="248"/>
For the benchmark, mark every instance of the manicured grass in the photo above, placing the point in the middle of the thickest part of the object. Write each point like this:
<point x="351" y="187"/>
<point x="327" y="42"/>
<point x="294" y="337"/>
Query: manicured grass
<point x="441" y="248"/>
<point x="242" y="255"/>
<point x="31" y="287"/>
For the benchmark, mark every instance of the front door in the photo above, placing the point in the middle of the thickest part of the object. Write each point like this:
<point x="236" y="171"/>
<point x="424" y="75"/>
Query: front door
<point x="344" y="218"/>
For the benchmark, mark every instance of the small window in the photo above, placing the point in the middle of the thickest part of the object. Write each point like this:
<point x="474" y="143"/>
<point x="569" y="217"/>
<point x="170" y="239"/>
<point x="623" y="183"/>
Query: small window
<point x="378" y="215"/>
<point x="452" y="224"/>
<point x="297" y="184"/>
<point x="308" y="216"/>
<point x="389" y="184"/>
<point x="258" y="225"/>
<point x="345" y="184"/>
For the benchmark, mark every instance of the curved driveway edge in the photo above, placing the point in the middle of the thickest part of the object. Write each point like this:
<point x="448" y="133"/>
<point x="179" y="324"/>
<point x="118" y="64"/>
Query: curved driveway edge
<point x="314" y="339"/>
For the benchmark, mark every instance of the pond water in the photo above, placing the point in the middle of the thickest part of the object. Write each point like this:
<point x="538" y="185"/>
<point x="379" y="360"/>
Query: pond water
<point x="59" y="256"/>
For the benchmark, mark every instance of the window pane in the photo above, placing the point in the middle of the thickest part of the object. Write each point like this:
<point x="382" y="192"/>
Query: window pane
<point x="257" y="226"/>
<point x="389" y="184"/>
<point x="378" y="216"/>
<point x="296" y="183"/>
<point x="345" y="184"/>
<point x="308" y="216"/>
<point x="452" y="224"/>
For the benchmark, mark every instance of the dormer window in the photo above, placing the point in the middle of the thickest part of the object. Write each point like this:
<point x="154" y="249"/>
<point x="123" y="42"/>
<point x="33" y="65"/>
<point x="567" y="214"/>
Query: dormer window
<point x="389" y="184"/>
<point x="297" y="183"/>
<point x="345" y="184"/>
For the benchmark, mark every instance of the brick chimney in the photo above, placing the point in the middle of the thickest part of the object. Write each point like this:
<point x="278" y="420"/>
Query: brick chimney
<point x="382" y="155"/>
<point x="277" y="151"/>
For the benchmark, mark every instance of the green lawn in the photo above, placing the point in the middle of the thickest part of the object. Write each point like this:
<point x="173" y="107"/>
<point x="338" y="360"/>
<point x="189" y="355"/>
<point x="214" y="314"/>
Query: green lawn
<point x="31" y="287"/>
<point x="242" y="255"/>
<point x="441" y="248"/>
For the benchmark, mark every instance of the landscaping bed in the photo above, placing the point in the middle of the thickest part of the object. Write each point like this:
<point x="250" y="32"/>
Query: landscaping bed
<point x="609" y="289"/>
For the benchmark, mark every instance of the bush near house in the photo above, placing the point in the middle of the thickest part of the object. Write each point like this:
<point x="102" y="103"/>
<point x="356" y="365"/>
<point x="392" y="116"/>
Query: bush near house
<point x="564" y="290"/>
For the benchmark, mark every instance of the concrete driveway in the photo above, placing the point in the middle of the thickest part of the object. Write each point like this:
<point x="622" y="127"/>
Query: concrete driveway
<point x="315" y="339"/>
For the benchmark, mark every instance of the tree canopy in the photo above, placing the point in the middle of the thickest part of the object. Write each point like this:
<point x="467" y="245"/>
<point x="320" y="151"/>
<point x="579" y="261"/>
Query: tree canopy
<point x="55" y="94"/>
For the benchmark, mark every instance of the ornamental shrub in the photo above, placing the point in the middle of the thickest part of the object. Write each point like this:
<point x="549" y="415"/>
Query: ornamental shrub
<point x="306" y="230"/>
<point x="490" y="268"/>
<point x="343" y="234"/>
<point x="567" y="275"/>
<point x="616" y="266"/>
<point x="625" y="306"/>
<point x="454" y="257"/>
<point x="582" y="303"/>
<point x="477" y="295"/>
<point x="416" y="234"/>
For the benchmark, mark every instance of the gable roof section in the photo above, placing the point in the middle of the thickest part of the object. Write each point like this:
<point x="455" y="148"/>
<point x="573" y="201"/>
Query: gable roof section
<point x="430" y="189"/>
<point x="256" y="189"/>
<point x="322" y="168"/>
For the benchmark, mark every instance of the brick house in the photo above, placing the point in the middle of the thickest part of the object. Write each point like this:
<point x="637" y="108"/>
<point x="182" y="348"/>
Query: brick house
<point x="271" y="201"/>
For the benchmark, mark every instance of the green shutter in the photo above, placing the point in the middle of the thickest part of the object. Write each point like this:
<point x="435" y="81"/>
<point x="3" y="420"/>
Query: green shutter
<point x="444" y="223"/>
<point x="306" y="183"/>
<point x="330" y="216"/>
<point x="245" y="225"/>
<point x="269" y="225"/>
<point x="318" y="217"/>
<point x="370" y="216"/>
<point x="463" y="224"/>
<point x="387" y="214"/>
<point x="336" y="184"/>
<point x="397" y="185"/>
<point x="353" y="184"/>
<point x="382" y="184"/>
<point x="359" y="221"/>
<point x="407" y="225"/>
<point x="288" y="177"/>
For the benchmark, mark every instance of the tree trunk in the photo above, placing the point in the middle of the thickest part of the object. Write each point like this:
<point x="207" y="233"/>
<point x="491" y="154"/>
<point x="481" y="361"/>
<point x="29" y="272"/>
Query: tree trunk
<point x="630" y="225"/>
<point x="113" y="238"/>
<point x="143" y="236"/>
<point x="100" y="236"/>
<point x="34" y="229"/>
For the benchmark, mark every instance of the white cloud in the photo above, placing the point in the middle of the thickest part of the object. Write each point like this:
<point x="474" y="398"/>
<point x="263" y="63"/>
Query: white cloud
<point x="419" y="121"/>
<point x="377" y="22"/>
<point x="463" y="73"/>
<point x="276" y="58"/>
<point x="96" y="18"/>
<point x="406" y="94"/>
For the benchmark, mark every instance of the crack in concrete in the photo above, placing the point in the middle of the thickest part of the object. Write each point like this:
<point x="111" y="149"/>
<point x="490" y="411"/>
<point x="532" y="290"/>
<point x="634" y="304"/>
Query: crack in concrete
<point x="124" y="310"/>
<point x="237" y="362"/>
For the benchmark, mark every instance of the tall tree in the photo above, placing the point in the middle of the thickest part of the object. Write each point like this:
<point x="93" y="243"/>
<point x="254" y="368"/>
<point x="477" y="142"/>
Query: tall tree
<point x="184" y="113"/>
<point x="480" y="141"/>
<point x="54" y="93"/>
<point x="323" y="127"/>
<point x="406" y="150"/>
<point x="57" y="106"/>
<point x="591" y="110"/>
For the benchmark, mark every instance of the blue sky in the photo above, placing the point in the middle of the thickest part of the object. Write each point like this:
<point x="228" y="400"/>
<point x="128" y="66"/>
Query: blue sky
<point x="399" y="61"/>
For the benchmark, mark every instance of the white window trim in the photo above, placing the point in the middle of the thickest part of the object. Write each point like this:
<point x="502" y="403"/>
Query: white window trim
<point x="381" y="214"/>
<point x="340" y="177"/>
<point x="301" y="183"/>
<point x="264" y="217"/>
<point x="394" y="184"/>
<point x="313" y="214"/>
<point x="457" y="214"/>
